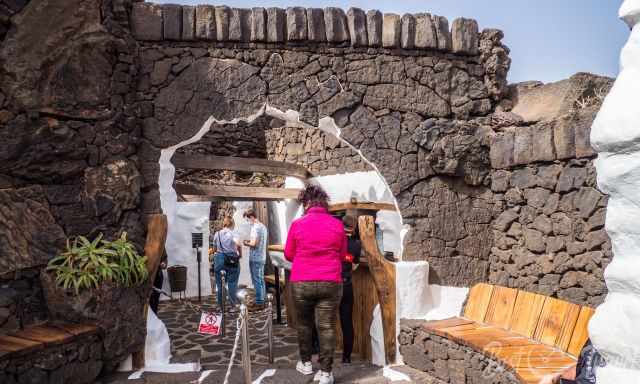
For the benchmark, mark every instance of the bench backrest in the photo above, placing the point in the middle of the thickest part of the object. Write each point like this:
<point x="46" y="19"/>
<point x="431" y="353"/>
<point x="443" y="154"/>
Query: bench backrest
<point x="545" y="319"/>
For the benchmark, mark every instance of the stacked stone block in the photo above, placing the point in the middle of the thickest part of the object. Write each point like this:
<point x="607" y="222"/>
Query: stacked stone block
<point x="296" y="25"/>
<point x="320" y="153"/>
<point x="550" y="236"/>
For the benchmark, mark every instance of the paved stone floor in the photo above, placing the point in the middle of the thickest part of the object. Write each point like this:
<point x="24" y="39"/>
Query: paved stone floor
<point x="358" y="373"/>
<point x="181" y="319"/>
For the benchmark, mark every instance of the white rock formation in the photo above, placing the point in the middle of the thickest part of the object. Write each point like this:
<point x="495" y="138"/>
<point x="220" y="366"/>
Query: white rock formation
<point x="616" y="136"/>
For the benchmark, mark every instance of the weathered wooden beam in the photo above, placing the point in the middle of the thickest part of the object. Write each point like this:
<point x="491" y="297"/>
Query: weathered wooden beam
<point x="243" y="164"/>
<point x="201" y="192"/>
<point x="153" y="249"/>
<point x="384" y="278"/>
<point x="364" y="206"/>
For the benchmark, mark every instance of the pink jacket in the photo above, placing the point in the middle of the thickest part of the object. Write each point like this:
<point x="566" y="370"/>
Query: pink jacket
<point x="316" y="244"/>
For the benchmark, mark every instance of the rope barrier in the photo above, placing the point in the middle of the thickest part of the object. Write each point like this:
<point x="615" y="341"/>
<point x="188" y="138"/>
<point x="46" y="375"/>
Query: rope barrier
<point x="235" y="347"/>
<point x="242" y="328"/>
<point x="264" y="326"/>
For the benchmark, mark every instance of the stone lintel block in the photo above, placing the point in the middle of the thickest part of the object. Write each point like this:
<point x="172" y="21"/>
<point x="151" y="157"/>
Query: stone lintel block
<point x="296" y="24"/>
<point x="583" y="138"/>
<point x="240" y="24"/>
<point x="442" y="32"/>
<point x="146" y="21"/>
<point x="564" y="139"/>
<point x="357" y="23"/>
<point x="171" y="21"/>
<point x="408" y="34"/>
<point x="276" y="23"/>
<point x="335" y="23"/>
<point x="188" y="22"/>
<point x="391" y="30"/>
<point x="542" y="148"/>
<point x="426" y="35"/>
<point x="223" y="14"/>
<point x="501" y="151"/>
<point x="464" y="36"/>
<point x="258" y="24"/>
<point x="523" y="146"/>
<point x="374" y="27"/>
<point x="315" y="23"/>
<point x="205" y="22"/>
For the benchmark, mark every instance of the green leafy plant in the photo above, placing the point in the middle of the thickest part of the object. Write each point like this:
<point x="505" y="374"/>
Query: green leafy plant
<point x="87" y="264"/>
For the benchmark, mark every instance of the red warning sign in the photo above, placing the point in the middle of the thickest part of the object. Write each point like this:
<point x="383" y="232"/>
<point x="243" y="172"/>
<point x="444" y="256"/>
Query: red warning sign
<point x="210" y="324"/>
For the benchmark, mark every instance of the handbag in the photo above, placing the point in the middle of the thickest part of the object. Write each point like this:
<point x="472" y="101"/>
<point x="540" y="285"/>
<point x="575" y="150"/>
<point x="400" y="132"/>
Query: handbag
<point x="231" y="259"/>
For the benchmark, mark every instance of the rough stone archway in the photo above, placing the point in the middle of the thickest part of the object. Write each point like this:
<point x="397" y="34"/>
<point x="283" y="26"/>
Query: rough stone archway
<point x="383" y="105"/>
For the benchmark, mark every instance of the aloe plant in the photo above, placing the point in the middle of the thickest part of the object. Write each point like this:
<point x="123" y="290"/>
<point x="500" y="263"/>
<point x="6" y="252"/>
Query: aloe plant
<point x="87" y="264"/>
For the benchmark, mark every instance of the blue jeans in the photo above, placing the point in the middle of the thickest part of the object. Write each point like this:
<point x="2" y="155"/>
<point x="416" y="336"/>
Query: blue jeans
<point x="232" y="276"/>
<point x="257" y="278"/>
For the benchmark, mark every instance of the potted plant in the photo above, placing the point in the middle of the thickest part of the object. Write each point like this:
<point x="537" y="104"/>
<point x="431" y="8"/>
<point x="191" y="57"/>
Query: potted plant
<point x="100" y="282"/>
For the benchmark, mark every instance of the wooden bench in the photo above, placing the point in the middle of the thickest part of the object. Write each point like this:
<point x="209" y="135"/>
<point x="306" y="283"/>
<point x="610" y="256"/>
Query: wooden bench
<point x="531" y="334"/>
<point x="38" y="337"/>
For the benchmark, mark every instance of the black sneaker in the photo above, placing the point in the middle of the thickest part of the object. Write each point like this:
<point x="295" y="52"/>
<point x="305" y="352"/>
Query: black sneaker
<point x="346" y="360"/>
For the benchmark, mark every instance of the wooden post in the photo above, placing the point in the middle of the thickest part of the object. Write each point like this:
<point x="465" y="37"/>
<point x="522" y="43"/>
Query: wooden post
<point x="153" y="249"/>
<point x="384" y="277"/>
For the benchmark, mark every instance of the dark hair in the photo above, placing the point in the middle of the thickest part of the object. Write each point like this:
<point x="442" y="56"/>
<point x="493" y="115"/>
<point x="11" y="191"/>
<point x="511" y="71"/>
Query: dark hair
<point x="314" y="196"/>
<point x="250" y="213"/>
<point x="349" y="221"/>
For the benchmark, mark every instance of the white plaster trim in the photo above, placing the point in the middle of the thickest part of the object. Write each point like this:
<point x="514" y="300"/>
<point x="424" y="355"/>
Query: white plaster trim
<point x="615" y="134"/>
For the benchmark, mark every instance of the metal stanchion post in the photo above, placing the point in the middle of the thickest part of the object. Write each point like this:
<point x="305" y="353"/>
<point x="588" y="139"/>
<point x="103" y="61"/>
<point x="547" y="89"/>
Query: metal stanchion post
<point x="278" y="306"/>
<point x="246" y="355"/>
<point x="270" y="326"/>
<point x="223" y="300"/>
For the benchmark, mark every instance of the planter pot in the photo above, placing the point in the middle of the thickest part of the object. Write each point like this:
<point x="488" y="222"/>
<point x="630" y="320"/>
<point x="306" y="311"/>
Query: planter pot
<point x="177" y="278"/>
<point x="118" y="311"/>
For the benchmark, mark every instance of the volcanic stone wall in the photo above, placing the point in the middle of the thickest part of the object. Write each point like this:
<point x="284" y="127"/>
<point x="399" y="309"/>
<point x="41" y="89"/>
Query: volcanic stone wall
<point x="540" y="224"/>
<point x="321" y="153"/>
<point x="68" y="159"/>
<point x="550" y="236"/>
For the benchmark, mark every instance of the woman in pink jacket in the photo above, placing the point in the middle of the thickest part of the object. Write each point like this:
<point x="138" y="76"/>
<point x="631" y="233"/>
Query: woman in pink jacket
<point x="316" y="244"/>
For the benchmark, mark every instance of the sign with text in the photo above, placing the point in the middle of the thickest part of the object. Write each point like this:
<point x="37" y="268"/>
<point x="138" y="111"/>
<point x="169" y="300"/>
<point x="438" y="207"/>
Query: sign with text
<point x="210" y="324"/>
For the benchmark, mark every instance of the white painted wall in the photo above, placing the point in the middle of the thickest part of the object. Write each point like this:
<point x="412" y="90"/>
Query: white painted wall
<point x="183" y="219"/>
<point x="367" y="186"/>
<point x="616" y="136"/>
<point x="188" y="218"/>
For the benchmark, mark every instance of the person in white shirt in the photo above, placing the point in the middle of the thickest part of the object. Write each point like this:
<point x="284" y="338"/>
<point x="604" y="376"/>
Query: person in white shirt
<point x="257" y="254"/>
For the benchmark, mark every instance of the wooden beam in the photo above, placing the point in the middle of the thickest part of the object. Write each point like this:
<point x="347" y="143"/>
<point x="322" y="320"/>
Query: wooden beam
<point x="384" y="278"/>
<point x="243" y="164"/>
<point x="365" y="206"/>
<point x="201" y="192"/>
<point x="153" y="249"/>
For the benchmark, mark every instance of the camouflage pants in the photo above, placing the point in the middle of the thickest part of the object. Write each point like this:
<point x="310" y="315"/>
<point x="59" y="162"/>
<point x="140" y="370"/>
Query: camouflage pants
<point x="317" y="300"/>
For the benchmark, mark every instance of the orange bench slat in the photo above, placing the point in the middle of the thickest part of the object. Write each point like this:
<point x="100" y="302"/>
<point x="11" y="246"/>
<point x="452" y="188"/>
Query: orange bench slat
<point x="45" y="334"/>
<point x="526" y="313"/>
<point x="501" y="306"/>
<point x="580" y="331"/>
<point x="557" y="322"/>
<point x="478" y="302"/>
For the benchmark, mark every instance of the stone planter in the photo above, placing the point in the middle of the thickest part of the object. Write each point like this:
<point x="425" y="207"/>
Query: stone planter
<point x="118" y="311"/>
